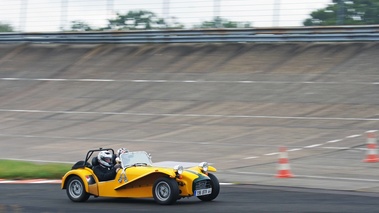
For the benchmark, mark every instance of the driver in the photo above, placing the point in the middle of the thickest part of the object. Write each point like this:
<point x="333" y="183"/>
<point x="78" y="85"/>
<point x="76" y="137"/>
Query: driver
<point x="105" y="170"/>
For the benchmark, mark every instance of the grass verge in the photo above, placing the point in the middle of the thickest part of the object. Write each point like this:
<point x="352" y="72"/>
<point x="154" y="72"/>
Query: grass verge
<point x="19" y="170"/>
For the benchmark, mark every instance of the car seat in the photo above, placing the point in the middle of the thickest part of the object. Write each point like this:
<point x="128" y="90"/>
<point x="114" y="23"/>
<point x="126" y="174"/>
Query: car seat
<point x="95" y="161"/>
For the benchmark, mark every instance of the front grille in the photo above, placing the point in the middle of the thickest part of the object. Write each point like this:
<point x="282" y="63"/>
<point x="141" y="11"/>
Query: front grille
<point x="203" y="184"/>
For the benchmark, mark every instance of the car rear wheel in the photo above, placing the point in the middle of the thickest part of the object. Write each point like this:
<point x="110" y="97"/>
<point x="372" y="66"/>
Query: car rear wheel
<point x="165" y="191"/>
<point x="75" y="190"/>
<point x="215" y="189"/>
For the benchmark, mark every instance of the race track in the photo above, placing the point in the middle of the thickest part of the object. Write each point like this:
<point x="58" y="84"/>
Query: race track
<point x="233" y="105"/>
<point x="36" y="198"/>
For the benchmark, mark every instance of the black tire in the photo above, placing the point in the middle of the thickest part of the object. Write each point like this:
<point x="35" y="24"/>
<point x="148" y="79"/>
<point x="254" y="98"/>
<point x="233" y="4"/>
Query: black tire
<point x="75" y="190"/>
<point x="215" y="189"/>
<point x="165" y="191"/>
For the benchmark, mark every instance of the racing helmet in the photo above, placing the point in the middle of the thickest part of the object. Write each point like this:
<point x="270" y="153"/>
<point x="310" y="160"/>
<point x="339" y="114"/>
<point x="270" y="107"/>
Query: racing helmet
<point x="105" y="158"/>
<point x="121" y="151"/>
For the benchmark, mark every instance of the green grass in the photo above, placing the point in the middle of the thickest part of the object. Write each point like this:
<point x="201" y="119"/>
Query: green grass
<point x="10" y="169"/>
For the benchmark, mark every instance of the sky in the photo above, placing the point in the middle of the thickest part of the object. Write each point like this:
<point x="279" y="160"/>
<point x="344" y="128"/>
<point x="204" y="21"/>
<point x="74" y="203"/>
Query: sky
<point x="53" y="15"/>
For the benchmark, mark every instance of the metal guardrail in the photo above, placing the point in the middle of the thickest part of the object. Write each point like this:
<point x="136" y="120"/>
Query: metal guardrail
<point x="290" y="34"/>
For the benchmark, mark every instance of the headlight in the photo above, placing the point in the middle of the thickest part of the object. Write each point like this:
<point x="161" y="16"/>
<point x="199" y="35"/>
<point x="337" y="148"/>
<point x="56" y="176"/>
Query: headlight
<point x="178" y="169"/>
<point x="203" y="166"/>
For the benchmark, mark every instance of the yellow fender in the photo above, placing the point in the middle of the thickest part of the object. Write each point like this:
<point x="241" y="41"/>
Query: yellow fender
<point x="212" y="169"/>
<point x="82" y="173"/>
<point x="197" y="169"/>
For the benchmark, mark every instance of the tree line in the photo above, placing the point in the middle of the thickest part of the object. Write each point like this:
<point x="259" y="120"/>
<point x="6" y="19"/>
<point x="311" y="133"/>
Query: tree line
<point x="338" y="12"/>
<point x="147" y="20"/>
<point x="343" y="12"/>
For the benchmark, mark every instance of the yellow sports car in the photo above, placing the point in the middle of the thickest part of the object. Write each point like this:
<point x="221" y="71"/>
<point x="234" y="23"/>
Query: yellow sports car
<point x="138" y="177"/>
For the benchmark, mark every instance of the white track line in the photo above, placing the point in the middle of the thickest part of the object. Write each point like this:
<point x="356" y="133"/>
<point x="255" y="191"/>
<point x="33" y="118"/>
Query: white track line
<point x="294" y="150"/>
<point x="310" y="176"/>
<point x="187" y="115"/>
<point x="334" y="141"/>
<point x="273" y="153"/>
<point x="252" y="157"/>
<point x="321" y="145"/>
<point x="353" y="136"/>
<point x="312" y="146"/>
<point x="182" y="81"/>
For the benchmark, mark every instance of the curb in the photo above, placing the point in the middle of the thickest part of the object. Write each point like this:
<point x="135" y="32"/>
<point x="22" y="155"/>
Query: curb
<point x="30" y="181"/>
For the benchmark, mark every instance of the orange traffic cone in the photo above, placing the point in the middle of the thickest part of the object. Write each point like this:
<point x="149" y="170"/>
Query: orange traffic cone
<point x="372" y="152"/>
<point x="283" y="167"/>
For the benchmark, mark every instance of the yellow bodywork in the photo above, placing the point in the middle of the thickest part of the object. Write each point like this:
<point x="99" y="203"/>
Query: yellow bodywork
<point x="138" y="183"/>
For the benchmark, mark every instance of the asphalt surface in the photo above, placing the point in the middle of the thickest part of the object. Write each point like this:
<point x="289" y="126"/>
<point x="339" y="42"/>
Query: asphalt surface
<point x="232" y="105"/>
<point x="33" y="198"/>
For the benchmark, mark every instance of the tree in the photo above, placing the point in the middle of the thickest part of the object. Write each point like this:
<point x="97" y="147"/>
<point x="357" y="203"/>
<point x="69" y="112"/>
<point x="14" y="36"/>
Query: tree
<point x="80" y="26"/>
<point x="219" y="22"/>
<point x="140" y="20"/>
<point x="5" y="27"/>
<point x="341" y="12"/>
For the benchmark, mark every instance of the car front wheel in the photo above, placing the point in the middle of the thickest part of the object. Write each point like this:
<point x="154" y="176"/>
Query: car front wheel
<point x="165" y="191"/>
<point x="76" y="190"/>
<point x="215" y="189"/>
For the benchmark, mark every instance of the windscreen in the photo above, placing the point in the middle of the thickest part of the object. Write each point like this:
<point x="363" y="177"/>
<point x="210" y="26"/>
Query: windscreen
<point x="135" y="158"/>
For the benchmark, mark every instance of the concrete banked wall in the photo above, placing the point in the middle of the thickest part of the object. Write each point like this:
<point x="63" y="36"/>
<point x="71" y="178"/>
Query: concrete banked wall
<point x="265" y="61"/>
<point x="77" y="61"/>
<point x="226" y="64"/>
